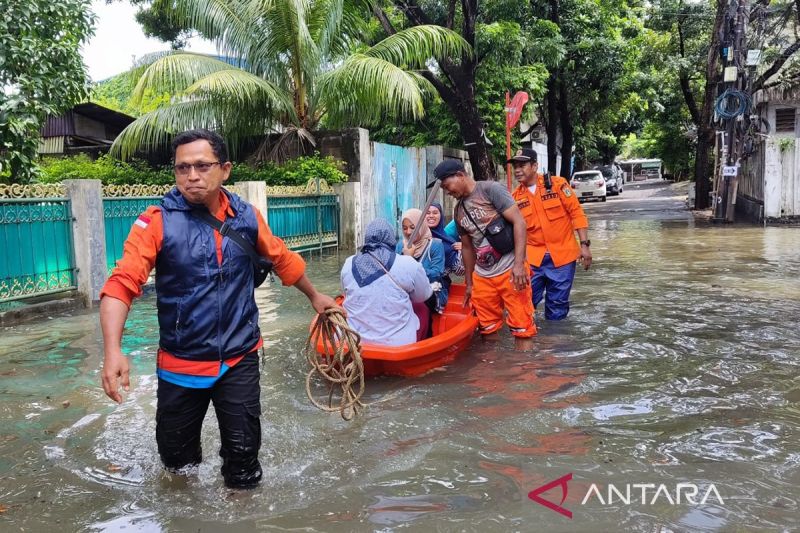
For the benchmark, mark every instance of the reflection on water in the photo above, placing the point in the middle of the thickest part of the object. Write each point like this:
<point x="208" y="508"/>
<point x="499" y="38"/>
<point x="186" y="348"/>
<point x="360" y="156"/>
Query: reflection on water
<point x="678" y="364"/>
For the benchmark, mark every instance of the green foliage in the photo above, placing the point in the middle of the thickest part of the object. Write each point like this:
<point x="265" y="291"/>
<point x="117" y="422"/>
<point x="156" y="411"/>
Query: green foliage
<point x="41" y="73"/>
<point x="116" y="93"/>
<point x="106" y="169"/>
<point x="502" y="47"/>
<point x="294" y="64"/>
<point x="114" y="172"/>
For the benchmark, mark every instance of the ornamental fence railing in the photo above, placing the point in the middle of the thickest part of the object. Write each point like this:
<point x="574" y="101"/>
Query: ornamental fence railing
<point x="38" y="240"/>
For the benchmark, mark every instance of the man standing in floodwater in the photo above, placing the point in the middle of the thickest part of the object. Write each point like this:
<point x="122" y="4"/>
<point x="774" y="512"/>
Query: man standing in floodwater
<point x="496" y="280"/>
<point x="208" y="319"/>
<point x="553" y="215"/>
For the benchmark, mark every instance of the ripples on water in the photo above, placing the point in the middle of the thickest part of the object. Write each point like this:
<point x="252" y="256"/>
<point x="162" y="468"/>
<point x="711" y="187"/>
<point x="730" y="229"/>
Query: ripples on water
<point x="678" y="364"/>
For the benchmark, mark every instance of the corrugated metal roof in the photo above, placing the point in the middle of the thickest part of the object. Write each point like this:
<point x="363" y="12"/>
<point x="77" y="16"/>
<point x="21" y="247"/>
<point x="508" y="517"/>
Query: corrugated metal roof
<point x="59" y="126"/>
<point x="51" y="145"/>
<point x="65" y="124"/>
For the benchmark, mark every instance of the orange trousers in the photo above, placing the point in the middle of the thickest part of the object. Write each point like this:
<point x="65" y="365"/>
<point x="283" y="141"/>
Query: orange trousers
<point x="490" y="296"/>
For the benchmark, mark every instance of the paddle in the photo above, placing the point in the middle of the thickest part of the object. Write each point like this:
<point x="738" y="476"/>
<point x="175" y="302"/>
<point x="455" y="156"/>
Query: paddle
<point x="418" y="226"/>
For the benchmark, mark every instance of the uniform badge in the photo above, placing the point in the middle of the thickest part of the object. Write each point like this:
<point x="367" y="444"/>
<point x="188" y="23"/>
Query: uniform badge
<point x="567" y="190"/>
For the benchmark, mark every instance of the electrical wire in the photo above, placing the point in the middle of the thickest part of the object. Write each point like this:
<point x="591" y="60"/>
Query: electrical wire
<point x="732" y="103"/>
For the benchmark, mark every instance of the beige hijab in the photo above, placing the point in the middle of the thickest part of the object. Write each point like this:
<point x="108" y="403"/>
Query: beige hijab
<point x="423" y="237"/>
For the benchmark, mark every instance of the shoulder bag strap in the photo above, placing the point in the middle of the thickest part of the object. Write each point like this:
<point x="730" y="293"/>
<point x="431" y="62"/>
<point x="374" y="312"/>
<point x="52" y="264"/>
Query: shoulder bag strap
<point x="386" y="271"/>
<point x="225" y="230"/>
<point x="464" y="207"/>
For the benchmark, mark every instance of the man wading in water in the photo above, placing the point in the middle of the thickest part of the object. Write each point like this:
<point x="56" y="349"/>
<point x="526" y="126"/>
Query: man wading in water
<point x="207" y="314"/>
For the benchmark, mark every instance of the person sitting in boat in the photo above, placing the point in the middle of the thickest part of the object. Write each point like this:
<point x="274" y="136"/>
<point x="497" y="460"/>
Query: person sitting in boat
<point x="380" y="288"/>
<point x="429" y="251"/>
<point x="453" y="264"/>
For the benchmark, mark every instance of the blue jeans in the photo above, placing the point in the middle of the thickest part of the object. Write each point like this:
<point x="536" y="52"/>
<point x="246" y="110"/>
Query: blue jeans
<point x="553" y="284"/>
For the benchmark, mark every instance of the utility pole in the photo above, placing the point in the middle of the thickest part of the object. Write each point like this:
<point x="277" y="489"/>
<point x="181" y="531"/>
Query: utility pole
<point x="736" y="90"/>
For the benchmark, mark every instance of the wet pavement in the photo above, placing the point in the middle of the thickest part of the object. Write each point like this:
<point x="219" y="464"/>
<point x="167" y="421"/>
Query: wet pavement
<point x="675" y="372"/>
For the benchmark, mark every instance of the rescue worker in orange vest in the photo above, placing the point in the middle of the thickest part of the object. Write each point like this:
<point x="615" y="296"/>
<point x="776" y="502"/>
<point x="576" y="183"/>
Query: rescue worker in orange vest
<point x="553" y="215"/>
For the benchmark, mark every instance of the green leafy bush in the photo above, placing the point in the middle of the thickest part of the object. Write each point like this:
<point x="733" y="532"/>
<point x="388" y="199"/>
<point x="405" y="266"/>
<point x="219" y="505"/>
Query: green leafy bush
<point x="106" y="169"/>
<point x="114" y="172"/>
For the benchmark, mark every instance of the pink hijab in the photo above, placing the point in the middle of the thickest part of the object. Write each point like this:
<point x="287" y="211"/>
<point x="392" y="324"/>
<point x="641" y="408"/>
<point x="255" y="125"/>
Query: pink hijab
<point x="424" y="236"/>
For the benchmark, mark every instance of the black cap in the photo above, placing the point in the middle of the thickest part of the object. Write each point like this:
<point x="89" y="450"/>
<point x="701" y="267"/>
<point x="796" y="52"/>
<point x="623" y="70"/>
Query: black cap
<point x="524" y="155"/>
<point x="447" y="168"/>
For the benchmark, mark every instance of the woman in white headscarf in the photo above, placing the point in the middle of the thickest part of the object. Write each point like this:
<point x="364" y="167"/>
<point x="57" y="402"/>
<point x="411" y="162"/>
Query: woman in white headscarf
<point x="380" y="288"/>
<point x="429" y="251"/>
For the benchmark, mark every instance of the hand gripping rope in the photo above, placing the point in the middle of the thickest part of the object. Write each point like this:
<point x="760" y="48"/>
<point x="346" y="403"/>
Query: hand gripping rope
<point x="339" y="364"/>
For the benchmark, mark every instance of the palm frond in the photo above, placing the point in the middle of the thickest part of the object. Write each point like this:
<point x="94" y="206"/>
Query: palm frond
<point x="173" y="73"/>
<point x="364" y="90"/>
<point x="156" y="129"/>
<point x="413" y="47"/>
<point x="325" y="22"/>
<point x="231" y="24"/>
<point x="287" y="32"/>
<point x="243" y="89"/>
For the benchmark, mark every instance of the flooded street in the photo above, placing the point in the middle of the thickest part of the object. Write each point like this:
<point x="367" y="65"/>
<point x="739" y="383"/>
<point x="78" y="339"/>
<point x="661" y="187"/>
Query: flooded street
<point x="678" y="364"/>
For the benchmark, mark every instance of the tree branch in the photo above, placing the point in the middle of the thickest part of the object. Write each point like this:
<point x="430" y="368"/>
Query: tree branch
<point x="776" y="66"/>
<point x="380" y="14"/>
<point x="451" y="14"/>
<point x="470" y="13"/>
<point x="686" y="87"/>
<point x="413" y="12"/>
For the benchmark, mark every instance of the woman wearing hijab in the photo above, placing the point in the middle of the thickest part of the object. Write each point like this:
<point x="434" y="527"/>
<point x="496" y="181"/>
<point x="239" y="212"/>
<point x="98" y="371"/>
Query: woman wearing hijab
<point x="450" y="240"/>
<point x="380" y="288"/>
<point x="429" y="251"/>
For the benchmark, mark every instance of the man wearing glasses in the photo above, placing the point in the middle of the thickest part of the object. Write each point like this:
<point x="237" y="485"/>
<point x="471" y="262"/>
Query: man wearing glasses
<point x="207" y="314"/>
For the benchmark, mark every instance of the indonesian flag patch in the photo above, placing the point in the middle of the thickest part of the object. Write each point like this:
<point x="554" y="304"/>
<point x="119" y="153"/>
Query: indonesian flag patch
<point x="142" y="221"/>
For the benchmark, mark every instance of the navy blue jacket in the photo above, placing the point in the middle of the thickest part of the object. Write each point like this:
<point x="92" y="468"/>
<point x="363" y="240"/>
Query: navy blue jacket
<point x="206" y="311"/>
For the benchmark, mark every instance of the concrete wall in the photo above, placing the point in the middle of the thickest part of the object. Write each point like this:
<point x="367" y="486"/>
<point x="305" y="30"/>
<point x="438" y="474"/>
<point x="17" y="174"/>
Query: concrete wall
<point x="781" y="170"/>
<point x="360" y="198"/>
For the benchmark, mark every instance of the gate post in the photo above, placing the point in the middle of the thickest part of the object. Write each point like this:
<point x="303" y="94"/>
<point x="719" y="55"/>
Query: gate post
<point x="88" y="237"/>
<point x="255" y="193"/>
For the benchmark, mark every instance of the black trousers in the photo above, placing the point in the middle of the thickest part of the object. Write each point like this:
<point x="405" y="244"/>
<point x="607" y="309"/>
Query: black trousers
<point x="179" y="419"/>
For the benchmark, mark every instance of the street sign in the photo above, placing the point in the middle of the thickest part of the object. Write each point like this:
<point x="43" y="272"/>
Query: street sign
<point x="729" y="171"/>
<point x="753" y="58"/>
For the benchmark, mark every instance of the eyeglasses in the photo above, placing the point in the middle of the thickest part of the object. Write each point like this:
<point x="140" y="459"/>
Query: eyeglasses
<point x="184" y="169"/>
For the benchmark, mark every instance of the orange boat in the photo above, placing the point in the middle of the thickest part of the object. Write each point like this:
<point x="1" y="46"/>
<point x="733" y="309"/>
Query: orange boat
<point x="452" y="331"/>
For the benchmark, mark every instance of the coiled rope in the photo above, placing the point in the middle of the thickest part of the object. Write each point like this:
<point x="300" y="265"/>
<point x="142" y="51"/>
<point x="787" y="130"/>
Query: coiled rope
<point x="339" y="365"/>
<point x="732" y="103"/>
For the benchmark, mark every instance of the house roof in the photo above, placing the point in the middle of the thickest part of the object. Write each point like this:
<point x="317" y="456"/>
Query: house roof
<point x="787" y="95"/>
<point x="64" y="124"/>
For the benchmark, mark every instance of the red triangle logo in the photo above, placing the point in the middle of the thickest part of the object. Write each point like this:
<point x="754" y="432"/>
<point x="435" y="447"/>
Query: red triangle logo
<point x="562" y="482"/>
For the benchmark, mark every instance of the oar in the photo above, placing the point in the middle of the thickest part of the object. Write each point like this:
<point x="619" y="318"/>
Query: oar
<point x="434" y="191"/>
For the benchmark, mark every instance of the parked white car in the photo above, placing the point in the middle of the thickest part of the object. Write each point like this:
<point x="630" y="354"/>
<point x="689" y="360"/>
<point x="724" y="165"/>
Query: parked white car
<point x="589" y="184"/>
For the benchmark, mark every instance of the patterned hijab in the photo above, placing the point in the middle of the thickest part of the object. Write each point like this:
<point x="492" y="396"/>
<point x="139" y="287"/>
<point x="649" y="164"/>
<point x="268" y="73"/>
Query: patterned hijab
<point x="379" y="243"/>
<point x="423" y="237"/>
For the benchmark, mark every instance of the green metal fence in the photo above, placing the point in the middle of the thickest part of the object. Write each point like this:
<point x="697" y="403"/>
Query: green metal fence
<point x="120" y="214"/>
<point x="305" y="223"/>
<point x="36" y="240"/>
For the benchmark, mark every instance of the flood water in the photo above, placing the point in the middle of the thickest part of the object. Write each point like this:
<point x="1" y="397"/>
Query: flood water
<point x="678" y="364"/>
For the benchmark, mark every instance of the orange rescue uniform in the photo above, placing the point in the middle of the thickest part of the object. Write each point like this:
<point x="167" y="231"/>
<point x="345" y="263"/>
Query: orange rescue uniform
<point x="552" y="218"/>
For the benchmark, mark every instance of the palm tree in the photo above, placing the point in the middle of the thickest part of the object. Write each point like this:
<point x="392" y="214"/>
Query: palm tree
<point x="288" y="66"/>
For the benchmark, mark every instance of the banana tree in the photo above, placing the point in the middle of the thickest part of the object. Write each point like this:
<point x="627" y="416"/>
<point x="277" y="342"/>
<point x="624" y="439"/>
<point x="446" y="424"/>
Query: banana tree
<point x="285" y="66"/>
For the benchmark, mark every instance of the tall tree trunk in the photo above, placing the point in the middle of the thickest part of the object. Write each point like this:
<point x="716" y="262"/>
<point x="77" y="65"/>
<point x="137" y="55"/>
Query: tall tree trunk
<point x="551" y="127"/>
<point x="567" y="131"/>
<point x="705" y="129"/>
<point x="479" y="156"/>
<point x="456" y="83"/>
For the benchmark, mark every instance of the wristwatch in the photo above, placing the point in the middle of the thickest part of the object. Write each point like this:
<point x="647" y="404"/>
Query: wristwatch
<point x="587" y="242"/>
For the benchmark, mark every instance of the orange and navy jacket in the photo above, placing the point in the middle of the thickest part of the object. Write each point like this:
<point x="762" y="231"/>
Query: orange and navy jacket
<point x="552" y="218"/>
<point x="140" y="254"/>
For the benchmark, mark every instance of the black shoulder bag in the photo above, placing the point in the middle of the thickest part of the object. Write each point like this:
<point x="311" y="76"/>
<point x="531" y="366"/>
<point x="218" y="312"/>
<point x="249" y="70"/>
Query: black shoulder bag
<point x="261" y="265"/>
<point x="499" y="232"/>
